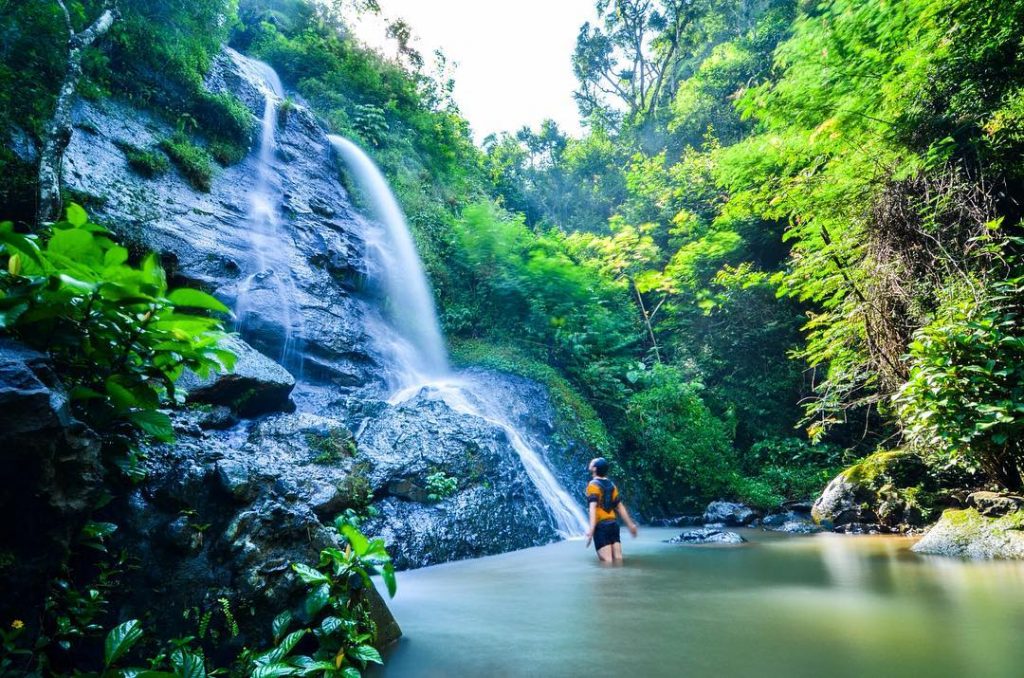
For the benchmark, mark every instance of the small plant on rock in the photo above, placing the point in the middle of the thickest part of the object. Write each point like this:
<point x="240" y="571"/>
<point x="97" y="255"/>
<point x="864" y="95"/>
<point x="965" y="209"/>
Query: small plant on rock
<point x="441" y="486"/>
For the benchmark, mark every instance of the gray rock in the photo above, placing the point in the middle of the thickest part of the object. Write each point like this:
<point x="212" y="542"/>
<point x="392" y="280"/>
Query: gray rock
<point x="871" y="493"/>
<point x="255" y="386"/>
<point x="729" y="513"/>
<point x="707" y="535"/>
<point x="677" y="521"/>
<point x="52" y="477"/>
<point x="791" y="522"/>
<point x="969" y="534"/>
<point x="995" y="504"/>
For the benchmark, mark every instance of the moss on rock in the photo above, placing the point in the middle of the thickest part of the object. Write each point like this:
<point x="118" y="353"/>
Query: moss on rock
<point x="968" y="534"/>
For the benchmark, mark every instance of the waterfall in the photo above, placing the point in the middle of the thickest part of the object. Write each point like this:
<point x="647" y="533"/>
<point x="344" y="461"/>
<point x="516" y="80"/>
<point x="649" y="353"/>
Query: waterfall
<point x="415" y="342"/>
<point x="421" y="353"/>
<point x="269" y="268"/>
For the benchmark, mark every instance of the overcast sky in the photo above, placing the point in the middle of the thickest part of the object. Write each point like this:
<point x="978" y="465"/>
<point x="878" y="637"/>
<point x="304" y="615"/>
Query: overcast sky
<point x="513" y="59"/>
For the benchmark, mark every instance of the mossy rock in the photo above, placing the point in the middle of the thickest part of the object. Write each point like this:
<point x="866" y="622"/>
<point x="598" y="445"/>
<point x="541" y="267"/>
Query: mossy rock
<point x="892" y="489"/>
<point x="967" y="533"/>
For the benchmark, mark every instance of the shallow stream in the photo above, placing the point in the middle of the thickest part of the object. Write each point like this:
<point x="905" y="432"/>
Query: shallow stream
<point x="826" y="605"/>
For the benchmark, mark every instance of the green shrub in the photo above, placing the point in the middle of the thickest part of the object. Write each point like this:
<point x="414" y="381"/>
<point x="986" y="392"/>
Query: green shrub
<point x="195" y="163"/>
<point x="680" y="450"/>
<point x="964" y="400"/>
<point x="146" y="162"/>
<point x="118" y="337"/>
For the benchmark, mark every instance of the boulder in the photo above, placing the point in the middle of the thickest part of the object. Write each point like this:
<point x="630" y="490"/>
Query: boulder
<point x="707" y="535"/>
<point x="887" y="489"/>
<point x="968" y="533"/>
<point x="995" y="504"/>
<point x="729" y="513"/>
<point x="52" y="476"/>
<point x="791" y="522"/>
<point x="255" y="386"/>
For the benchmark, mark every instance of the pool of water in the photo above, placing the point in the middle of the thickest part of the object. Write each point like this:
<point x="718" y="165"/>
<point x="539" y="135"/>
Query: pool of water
<point x="826" y="605"/>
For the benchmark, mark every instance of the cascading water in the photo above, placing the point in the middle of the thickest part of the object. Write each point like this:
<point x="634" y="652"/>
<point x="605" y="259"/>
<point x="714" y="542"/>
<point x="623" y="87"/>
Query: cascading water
<point x="269" y="267"/>
<point x="416" y="344"/>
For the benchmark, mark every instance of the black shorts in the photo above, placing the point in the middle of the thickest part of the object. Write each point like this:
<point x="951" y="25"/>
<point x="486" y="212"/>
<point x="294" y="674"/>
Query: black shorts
<point x="605" y="534"/>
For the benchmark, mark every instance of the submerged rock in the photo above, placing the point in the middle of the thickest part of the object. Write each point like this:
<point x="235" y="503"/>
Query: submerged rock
<point x="255" y="386"/>
<point x="969" y="534"/>
<point x="707" y="535"/>
<point x="886" y="489"/>
<point x="729" y="513"/>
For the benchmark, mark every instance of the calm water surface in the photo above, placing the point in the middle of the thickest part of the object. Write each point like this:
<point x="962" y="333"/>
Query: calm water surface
<point x="827" y="605"/>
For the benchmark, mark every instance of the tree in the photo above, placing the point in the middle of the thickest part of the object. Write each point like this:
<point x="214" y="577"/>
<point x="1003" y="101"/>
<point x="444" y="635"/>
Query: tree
<point x="57" y="134"/>
<point x="630" y="57"/>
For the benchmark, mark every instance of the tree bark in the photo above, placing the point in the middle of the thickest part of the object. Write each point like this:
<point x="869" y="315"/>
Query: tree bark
<point x="57" y="134"/>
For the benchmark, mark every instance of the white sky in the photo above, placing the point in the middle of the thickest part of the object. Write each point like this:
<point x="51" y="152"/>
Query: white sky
<point x="513" y="59"/>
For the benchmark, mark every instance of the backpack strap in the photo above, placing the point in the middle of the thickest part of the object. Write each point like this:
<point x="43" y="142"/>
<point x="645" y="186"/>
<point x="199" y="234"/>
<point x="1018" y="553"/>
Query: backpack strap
<point x="608" y="499"/>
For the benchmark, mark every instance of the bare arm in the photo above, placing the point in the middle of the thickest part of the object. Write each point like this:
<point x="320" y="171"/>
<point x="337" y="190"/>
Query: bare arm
<point x="624" y="514"/>
<point x="593" y="522"/>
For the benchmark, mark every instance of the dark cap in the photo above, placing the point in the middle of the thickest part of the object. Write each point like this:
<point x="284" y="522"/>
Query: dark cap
<point x="600" y="466"/>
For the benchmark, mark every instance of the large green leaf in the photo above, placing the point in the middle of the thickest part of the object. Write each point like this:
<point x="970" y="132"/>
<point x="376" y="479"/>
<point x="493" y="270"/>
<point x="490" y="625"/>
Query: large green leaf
<point x="273" y="671"/>
<point x="188" y="665"/>
<point x="365" y="653"/>
<point x="359" y="542"/>
<point x="310" y="575"/>
<point x="77" y="245"/>
<point x="281" y="624"/>
<point x="192" y="298"/>
<point x="317" y="598"/>
<point x="156" y="424"/>
<point x="120" y="639"/>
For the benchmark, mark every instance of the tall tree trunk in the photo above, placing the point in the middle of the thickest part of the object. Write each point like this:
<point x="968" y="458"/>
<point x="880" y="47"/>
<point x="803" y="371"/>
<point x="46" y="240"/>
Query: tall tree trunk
<point x="57" y="134"/>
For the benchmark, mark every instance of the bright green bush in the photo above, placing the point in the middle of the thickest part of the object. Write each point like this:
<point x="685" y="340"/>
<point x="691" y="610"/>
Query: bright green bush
<point x="680" y="450"/>
<point x="118" y="337"/>
<point x="964" y="401"/>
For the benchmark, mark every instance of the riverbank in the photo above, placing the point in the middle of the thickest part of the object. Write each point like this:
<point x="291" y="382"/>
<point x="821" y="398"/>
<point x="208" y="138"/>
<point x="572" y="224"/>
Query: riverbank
<point x="778" y="605"/>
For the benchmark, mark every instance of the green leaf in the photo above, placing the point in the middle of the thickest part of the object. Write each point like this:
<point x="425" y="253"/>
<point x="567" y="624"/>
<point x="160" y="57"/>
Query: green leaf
<point x="310" y="575"/>
<point x="187" y="664"/>
<point x="154" y="423"/>
<point x="78" y="246"/>
<point x="351" y="672"/>
<point x="273" y="670"/>
<point x="76" y="215"/>
<point x="356" y="539"/>
<point x="365" y="653"/>
<point x="330" y="625"/>
<point x="121" y="639"/>
<point x="192" y="298"/>
<point x="291" y="640"/>
<point x="281" y="624"/>
<point x="387" y="573"/>
<point x="317" y="598"/>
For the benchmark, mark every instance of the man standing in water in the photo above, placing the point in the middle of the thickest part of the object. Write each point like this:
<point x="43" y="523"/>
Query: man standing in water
<point x="603" y="497"/>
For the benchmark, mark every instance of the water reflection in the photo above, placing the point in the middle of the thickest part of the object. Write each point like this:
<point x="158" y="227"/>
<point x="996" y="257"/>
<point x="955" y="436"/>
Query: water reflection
<point x="818" y="606"/>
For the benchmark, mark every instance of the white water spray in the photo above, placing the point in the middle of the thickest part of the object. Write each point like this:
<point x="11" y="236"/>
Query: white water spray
<point x="270" y="265"/>
<point x="417" y="346"/>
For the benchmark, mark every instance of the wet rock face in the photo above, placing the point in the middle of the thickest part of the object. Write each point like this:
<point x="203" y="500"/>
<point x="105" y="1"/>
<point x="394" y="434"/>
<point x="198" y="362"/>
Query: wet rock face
<point x="729" y="513"/>
<point x="495" y="508"/>
<point x="255" y="385"/>
<point x="249" y="486"/>
<point x="204" y="237"/>
<point x="53" y="476"/>
<point x="707" y="535"/>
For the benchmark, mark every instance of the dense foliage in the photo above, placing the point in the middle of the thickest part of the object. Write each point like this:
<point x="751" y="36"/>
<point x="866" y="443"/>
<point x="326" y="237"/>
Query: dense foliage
<point x="115" y="332"/>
